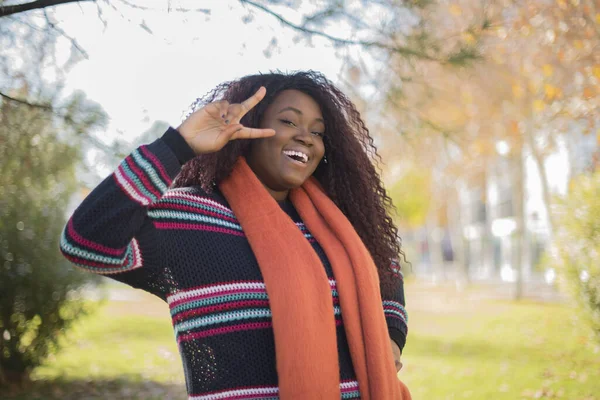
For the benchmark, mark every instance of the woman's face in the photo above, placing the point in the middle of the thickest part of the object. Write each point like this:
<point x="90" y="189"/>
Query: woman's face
<point x="284" y="161"/>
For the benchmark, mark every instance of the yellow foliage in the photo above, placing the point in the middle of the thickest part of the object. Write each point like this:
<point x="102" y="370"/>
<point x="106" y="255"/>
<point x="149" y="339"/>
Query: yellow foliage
<point x="596" y="71"/>
<point x="548" y="70"/>
<point x="514" y="128"/>
<point x="455" y="10"/>
<point x="534" y="85"/>
<point x="411" y="196"/>
<point x="469" y="38"/>
<point x="598" y="18"/>
<point x="588" y="92"/>
<point x="539" y="105"/>
<point x="518" y="91"/>
<point x="550" y="91"/>
<point x="578" y="44"/>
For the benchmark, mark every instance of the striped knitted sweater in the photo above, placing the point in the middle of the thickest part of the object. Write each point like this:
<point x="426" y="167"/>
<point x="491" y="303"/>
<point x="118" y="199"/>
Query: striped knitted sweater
<point x="187" y="247"/>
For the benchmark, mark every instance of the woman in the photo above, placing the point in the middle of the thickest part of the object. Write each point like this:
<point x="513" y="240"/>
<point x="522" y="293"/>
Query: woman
<point x="273" y="247"/>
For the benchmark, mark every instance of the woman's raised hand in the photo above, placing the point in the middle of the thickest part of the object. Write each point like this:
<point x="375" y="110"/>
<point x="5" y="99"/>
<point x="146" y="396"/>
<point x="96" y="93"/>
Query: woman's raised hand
<point x="210" y="128"/>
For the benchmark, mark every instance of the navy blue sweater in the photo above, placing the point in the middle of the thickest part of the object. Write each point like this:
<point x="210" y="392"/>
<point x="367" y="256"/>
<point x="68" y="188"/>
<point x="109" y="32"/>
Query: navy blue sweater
<point x="187" y="247"/>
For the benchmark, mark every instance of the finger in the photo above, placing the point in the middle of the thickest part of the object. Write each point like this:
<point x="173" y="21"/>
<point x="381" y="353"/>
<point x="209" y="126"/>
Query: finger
<point x="223" y="106"/>
<point x="252" y="133"/>
<point x="217" y="109"/>
<point x="229" y="132"/>
<point x="249" y="103"/>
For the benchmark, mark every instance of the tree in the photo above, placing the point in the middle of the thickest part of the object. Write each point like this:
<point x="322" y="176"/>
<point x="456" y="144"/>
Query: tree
<point x="41" y="137"/>
<point x="522" y="93"/>
<point x="576" y="250"/>
<point x="37" y="180"/>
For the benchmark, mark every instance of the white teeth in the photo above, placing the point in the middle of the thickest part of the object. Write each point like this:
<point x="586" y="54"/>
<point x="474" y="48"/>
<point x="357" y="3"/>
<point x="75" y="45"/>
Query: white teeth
<point x="297" y="154"/>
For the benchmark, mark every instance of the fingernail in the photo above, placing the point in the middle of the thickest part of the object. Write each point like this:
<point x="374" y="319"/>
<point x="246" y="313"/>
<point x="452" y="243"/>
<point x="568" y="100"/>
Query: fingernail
<point x="223" y="116"/>
<point x="226" y="121"/>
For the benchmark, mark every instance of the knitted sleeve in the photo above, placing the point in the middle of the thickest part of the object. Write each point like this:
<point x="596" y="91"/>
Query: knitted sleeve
<point x="110" y="233"/>
<point x="395" y="313"/>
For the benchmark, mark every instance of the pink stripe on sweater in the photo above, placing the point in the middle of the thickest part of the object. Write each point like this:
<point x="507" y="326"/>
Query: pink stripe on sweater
<point x="133" y="186"/>
<point x="196" y="227"/>
<point x="157" y="164"/>
<point x="95" y="264"/>
<point x="166" y="205"/>
<point x="209" y="295"/>
<point x="219" y="307"/>
<point x="93" y="245"/>
<point x="396" y="317"/>
<point x="223" y="330"/>
<point x="142" y="176"/>
<point x="271" y="391"/>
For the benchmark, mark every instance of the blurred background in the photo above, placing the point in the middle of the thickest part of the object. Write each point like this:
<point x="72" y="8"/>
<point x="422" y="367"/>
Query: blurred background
<point x="485" y="114"/>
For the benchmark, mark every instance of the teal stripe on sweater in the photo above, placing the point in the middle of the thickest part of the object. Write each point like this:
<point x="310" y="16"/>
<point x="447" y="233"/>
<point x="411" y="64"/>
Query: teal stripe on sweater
<point x="230" y="316"/>
<point x="76" y="251"/>
<point x="351" y="395"/>
<point x="218" y="300"/>
<point x="223" y="318"/>
<point x="148" y="168"/>
<point x="170" y="214"/>
<point x="138" y="183"/>
<point x="206" y="207"/>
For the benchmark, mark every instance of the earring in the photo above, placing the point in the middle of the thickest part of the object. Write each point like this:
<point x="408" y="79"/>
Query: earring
<point x="325" y="159"/>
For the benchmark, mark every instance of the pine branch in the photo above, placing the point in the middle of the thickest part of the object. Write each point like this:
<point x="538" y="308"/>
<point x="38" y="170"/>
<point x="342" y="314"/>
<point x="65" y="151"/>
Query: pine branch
<point x="33" y="5"/>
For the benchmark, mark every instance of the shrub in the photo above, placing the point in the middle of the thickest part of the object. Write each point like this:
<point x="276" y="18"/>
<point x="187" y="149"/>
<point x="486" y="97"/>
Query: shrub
<point x="37" y="179"/>
<point x="576" y="250"/>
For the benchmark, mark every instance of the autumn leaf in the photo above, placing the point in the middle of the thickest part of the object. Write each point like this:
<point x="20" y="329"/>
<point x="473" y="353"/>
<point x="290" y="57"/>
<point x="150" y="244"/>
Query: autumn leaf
<point x="539" y="105"/>
<point x="469" y="38"/>
<point x="455" y="10"/>
<point x="550" y="91"/>
<point x="596" y="71"/>
<point x="514" y="128"/>
<point x="548" y="70"/>
<point x="518" y="91"/>
<point x="588" y="93"/>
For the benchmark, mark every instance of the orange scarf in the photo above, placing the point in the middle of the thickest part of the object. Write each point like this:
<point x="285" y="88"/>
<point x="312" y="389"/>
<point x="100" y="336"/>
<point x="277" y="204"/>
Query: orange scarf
<point x="300" y="295"/>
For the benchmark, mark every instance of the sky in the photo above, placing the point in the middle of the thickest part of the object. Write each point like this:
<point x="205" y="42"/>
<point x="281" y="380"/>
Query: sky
<point x="140" y="77"/>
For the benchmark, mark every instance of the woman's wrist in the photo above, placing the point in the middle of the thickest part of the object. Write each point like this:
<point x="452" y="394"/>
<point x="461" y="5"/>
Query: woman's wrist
<point x="178" y="145"/>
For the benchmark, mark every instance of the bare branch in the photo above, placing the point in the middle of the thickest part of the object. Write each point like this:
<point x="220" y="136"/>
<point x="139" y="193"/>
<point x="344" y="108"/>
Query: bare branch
<point x="33" y="5"/>
<point x="63" y="33"/>
<point x="169" y="7"/>
<point x="311" y="32"/>
<point x="46" y="107"/>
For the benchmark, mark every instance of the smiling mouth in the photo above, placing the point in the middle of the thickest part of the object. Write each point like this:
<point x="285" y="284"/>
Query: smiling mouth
<point x="297" y="156"/>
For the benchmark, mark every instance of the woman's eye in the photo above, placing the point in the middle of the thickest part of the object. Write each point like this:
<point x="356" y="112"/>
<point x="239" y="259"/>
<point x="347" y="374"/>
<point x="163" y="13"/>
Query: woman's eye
<point x="290" y="123"/>
<point x="318" y="134"/>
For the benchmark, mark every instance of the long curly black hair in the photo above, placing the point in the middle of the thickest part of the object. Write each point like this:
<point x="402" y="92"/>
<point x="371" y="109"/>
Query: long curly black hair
<point x="349" y="177"/>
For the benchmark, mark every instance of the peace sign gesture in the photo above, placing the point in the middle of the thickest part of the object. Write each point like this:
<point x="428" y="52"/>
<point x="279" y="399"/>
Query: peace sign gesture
<point x="210" y="128"/>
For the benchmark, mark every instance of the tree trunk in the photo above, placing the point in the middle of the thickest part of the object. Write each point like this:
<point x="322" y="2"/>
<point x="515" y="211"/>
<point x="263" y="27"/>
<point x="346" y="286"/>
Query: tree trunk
<point x="488" y="237"/>
<point x="546" y="196"/>
<point x="454" y="215"/>
<point x="435" y="245"/>
<point x="519" y="235"/>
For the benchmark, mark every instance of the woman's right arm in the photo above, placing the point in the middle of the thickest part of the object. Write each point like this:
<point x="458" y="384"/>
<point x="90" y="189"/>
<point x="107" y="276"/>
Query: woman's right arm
<point x="109" y="232"/>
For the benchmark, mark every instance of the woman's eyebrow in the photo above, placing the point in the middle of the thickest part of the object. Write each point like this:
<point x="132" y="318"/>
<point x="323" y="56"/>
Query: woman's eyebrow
<point x="297" y="112"/>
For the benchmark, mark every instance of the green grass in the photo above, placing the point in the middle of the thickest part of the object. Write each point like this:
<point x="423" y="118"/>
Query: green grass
<point x="459" y="347"/>
<point x="499" y="350"/>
